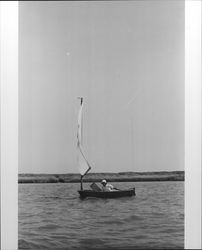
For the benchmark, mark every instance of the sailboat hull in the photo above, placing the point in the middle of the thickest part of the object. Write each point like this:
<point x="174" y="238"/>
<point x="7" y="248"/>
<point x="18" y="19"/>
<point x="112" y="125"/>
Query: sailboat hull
<point x="108" y="194"/>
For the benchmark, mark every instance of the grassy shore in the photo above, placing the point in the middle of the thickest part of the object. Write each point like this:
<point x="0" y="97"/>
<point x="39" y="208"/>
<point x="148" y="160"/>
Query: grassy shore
<point x="97" y="177"/>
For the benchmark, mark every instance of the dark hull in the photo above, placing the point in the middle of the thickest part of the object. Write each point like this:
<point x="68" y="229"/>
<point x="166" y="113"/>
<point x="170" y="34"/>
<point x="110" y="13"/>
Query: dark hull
<point x="112" y="194"/>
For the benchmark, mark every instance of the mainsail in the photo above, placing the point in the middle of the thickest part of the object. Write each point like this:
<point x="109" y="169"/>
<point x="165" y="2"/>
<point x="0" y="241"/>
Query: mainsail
<point x="84" y="166"/>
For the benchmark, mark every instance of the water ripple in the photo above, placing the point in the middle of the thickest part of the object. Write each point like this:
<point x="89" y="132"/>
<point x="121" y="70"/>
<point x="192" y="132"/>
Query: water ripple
<point x="53" y="217"/>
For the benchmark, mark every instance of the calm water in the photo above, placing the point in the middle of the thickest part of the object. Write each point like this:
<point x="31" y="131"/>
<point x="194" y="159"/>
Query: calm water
<point x="51" y="216"/>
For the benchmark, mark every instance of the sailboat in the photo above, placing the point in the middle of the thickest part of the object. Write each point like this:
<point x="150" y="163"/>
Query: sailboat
<point x="84" y="168"/>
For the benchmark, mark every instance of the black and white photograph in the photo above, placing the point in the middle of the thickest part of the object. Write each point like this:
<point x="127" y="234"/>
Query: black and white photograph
<point x="112" y="175"/>
<point x="101" y="125"/>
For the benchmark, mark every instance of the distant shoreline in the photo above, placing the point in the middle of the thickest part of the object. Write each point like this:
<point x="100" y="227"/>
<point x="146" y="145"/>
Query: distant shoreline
<point x="97" y="177"/>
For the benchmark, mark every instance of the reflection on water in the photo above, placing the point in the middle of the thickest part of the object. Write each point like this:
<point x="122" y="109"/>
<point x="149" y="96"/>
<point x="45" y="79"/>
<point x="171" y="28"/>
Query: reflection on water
<point x="51" y="216"/>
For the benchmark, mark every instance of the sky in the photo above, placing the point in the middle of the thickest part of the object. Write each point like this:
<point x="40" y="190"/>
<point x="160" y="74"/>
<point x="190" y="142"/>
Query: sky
<point x="126" y="58"/>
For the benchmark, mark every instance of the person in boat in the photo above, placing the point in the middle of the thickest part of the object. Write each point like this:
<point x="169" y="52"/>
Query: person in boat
<point x="106" y="186"/>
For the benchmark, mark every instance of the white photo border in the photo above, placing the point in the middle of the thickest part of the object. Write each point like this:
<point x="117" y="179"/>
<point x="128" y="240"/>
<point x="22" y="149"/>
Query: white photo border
<point x="9" y="124"/>
<point x="193" y="124"/>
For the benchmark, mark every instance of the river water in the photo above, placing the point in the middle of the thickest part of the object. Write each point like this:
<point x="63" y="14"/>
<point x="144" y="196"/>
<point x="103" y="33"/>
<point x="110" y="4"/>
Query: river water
<point x="51" y="216"/>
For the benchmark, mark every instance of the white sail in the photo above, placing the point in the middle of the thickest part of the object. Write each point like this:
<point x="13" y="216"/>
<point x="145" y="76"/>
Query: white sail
<point x="84" y="166"/>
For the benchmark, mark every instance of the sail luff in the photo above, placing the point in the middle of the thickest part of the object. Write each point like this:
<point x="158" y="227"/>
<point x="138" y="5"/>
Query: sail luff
<point x="80" y="124"/>
<point x="84" y="166"/>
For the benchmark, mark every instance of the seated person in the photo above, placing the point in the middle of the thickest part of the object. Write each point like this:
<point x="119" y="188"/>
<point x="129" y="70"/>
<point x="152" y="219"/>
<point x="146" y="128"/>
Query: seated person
<point x="106" y="186"/>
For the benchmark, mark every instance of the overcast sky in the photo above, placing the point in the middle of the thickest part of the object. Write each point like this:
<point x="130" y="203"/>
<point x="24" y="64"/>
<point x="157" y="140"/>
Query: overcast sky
<point x="127" y="60"/>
